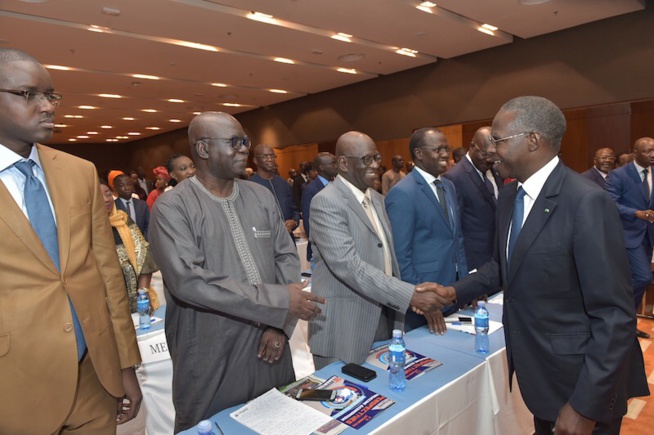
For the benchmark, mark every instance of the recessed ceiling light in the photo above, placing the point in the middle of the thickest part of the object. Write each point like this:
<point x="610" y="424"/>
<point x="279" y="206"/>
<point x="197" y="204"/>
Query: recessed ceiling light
<point x="407" y="52"/>
<point x="345" y="37"/>
<point x="197" y="113"/>
<point x="58" y="67"/>
<point x="278" y="91"/>
<point x="284" y="60"/>
<point x="82" y="137"/>
<point x="485" y="30"/>
<point x="149" y="110"/>
<point x="196" y="45"/>
<point x="145" y="76"/>
<point x="98" y="29"/>
<point x="107" y="126"/>
<point x="74" y="116"/>
<point x="91" y="132"/>
<point x="219" y="85"/>
<point x="112" y="140"/>
<point x="110" y="96"/>
<point x="72" y="140"/>
<point x="175" y="120"/>
<point x="175" y="100"/>
<point x="489" y="27"/>
<point x="259" y="16"/>
<point x="87" y="107"/>
<point x="128" y="119"/>
<point x="61" y="125"/>
<point x="231" y="104"/>
<point x="152" y="128"/>
<point x="133" y="133"/>
<point x="347" y="70"/>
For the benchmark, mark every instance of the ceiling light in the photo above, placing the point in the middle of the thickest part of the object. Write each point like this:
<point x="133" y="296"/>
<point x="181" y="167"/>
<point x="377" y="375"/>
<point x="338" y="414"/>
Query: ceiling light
<point x="98" y="29"/>
<point x="278" y="91"/>
<point x="133" y="133"/>
<point x="342" y="37"/>
<point x="107" y="126"/>
<point x="109" y="96"/>
<point x="175" y="120"/>
<point x="72" y="140"/>
<point x="112" y="140"/>
<point x="231" y="104"/>
<point x="485" y="30"/>
<point x="347" y="70"/>
<point x="283" y="60"/>
<point x="426" y="7"/>
<point x="145" y="76"/>
<point x="407" y="52"/>
<point x="82" y="137"/>
<point x="122" y="137"/>
<point x="196" y="45"/>
<point x="149" y="110"/>
<point x="87" y="107"/>
<point x="219" y="85"/>
<point x="91" y="132"/>
<point x="197" y="113"/>
<point x="128" y="119"/>
<point x="61" y="125"/>
<point x="58" y="67"/>
<point x="175" y="100"/>
<point x="74" y="116"/>
<point x="152" y="128"/>
<point x="489" y="27"/>
<point x="428" y="4"/>
<point x="259" y="16"/>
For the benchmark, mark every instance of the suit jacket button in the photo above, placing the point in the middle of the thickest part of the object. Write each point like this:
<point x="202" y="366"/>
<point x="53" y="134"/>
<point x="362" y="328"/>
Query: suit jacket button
<point x="68" y="327"/>
<point x="379" y="245"/>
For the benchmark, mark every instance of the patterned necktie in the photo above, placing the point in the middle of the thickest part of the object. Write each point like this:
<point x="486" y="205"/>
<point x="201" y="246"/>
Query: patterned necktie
<point x="516" y="219"/>
<point x="646" y="181"/>
<point x="43" y="223"/>
<point x="440" y="192"/>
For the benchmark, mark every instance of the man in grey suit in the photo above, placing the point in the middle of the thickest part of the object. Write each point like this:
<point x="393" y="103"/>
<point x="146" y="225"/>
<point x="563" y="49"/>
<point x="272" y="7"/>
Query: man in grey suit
<point x="355" y="264"/>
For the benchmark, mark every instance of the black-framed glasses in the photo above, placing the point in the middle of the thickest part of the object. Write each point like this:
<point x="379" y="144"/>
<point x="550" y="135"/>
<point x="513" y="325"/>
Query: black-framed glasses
<point x="266" y="156"/>
<point x="367" y="160"/>
<point x="34" y="97"/>
<point x="496" y="141"/>
<point x="235" y="141"/>
<point x="439" y="150"/>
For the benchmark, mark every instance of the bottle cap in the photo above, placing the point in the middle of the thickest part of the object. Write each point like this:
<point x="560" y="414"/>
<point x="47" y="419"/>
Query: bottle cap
<point x="142" y="291"/>
<point x="204" y="426"/>
<point x="397" y="333"/>
<point x="481" y="304"/>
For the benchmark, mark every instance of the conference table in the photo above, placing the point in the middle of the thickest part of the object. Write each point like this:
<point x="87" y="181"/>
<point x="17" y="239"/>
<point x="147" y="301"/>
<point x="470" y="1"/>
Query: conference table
<point x="467" y="394"/>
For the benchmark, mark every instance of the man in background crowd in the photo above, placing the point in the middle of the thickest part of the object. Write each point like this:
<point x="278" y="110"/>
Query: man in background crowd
<point x="393" y="176"/>
<point x="135" y="208"/>
<point x="603" y="163"/>
<point x="325" y="165"/>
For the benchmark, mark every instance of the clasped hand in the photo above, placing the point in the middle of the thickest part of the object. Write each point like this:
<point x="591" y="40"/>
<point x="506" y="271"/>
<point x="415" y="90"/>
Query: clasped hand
<point x="428" y="299"/>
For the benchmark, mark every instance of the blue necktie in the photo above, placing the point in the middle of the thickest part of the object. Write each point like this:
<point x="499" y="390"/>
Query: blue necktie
<point x="516" y="220"/>
<point x="43" y="223"/>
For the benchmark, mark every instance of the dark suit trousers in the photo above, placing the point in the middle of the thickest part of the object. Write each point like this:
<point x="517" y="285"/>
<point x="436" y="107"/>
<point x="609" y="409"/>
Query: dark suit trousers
<point x="543" y="427"/>
<point x="640" y="260"/>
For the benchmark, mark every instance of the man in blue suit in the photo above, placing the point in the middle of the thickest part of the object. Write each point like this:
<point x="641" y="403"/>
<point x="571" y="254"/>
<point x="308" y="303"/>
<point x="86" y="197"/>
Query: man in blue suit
<point x="630" y="186"/>
<point x="137" y="209"/>
<point x="325" y="165"/>
<point x="602" y="165"/>
<point x="425" y="220"/>
<point x="477" y="188"/>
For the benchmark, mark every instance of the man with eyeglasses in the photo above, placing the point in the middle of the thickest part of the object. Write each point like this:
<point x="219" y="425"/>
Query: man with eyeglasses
<point x="426" y="222"/>
<point x="603" y="163"/>
<point x="231" y="276"/>
<point x="477" y="189"/>
<point x="569" y="320"/>
<point x="266" y="161"/>
<point x="355" y="265"/>
<point x="67" y="341"/>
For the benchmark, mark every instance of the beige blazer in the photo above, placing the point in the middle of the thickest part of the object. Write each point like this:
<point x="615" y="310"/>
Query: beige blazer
<point x="38" y="354"/>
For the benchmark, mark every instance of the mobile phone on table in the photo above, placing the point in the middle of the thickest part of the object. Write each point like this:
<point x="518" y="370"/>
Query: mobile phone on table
<point x="359" y="372"/>
<point x="315" y="394"/>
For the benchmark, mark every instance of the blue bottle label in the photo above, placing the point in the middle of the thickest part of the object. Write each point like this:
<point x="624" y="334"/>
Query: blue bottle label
<point x="481" y="322"/>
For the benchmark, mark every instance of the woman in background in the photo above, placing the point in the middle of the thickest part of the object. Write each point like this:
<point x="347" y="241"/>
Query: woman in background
<point x="159" y="185"/>
<point x="180" y="167"/>
<point x="133" y="250"/>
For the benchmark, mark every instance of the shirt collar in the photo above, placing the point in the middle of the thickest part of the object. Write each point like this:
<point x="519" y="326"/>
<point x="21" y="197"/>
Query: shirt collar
<point x="358" y="194"/>
<point x="9" y="158"/>
<point x="323" y="180"/>
<point x="639" y="168"/>
<point x="601" y="173"/>
<point x="426" y="175"/>
<point x="482" y="175"/>
<point x="534" y="184"/>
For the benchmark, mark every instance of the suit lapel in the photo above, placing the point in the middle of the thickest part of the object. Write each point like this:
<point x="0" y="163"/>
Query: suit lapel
<point x="355" y="205"/>
<point x="57" y="178"/>
<point x="477" y="181"/>
<point x="426" y="190"/>
<point x="635" y="177"/>
<point x="504" y="213"/>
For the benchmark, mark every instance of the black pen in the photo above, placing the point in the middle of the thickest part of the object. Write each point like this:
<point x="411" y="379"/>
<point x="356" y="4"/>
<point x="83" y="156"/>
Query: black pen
<point x="459" y="320"/>
<point x="219" y="429"/>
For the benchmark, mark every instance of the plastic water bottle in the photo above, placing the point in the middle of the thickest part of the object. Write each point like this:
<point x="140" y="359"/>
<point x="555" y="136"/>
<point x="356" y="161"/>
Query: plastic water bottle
<point x="397" y="349"/>
<point x="204" y="427"/>
<point x="481" y="328"/>
<point x="143" y="306"/>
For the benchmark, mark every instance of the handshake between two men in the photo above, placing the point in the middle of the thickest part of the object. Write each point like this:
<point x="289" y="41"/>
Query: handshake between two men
<point x="429" y="299"/>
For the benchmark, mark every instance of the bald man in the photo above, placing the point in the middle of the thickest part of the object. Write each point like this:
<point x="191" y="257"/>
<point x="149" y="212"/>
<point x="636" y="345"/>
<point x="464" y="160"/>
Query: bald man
<point x="355" y="264"/>
<point x="603" y="163"/>
<point x="231" y="278"/>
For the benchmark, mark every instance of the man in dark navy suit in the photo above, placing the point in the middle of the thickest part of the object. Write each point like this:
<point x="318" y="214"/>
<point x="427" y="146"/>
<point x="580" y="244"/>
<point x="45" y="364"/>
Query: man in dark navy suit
<point x="630" y="186"/>
<point x="325" y="165"/>
<point x="135" y="208"/>
<point x="602" y="164"/>
<point x="477" y="188"/>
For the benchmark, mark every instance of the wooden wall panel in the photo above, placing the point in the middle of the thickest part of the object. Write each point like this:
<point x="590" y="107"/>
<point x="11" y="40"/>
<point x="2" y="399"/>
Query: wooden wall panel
<point x="291" y="157"/>
<point x="642" y="120"/>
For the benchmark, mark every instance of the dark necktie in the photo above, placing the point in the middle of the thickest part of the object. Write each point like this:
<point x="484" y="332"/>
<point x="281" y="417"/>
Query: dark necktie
<point x="516" y="220"/>
<point x="440" y="192"/>
<point x="646" y="182"/>
<point x="130" y="210"/>
<point x="489" y="185"/>
<point x="43" y="223"/>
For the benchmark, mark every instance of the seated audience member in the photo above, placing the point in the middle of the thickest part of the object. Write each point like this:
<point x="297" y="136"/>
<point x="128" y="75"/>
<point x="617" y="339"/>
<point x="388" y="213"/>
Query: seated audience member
<point x="355" y="265"/>
<point x="233" y="275"/>
<point x="136" y="209"/>
<point x="180" y="167"/>
<point x="160" y="185"/>
<point x="603" y="163"/>
<point x="138" y="189"/>
<point x="133" y="250"/>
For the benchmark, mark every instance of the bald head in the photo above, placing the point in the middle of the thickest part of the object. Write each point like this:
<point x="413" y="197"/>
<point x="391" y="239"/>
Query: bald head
<point x="325" y="165"/>
<point x="604" y="160"/>
<point x="8" y="55"/>
<point x="211" y="124"/>
<point x="482" y="149"/>
<point x="644" y="151"/>
<point x="353" y="149"/>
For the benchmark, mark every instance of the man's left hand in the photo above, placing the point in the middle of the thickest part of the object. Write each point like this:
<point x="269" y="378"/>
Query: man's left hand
<point x="570" y="422"/>
<point x="290" y="225"/>
<point x="272" y="345"/>
<point x="128" y="410"/>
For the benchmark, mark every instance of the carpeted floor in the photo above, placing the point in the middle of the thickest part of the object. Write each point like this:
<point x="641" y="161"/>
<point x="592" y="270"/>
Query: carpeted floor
<point x="640" y="417"/>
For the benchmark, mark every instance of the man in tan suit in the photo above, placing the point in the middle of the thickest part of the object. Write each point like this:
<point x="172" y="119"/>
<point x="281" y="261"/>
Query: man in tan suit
<point x="67" y="343"/>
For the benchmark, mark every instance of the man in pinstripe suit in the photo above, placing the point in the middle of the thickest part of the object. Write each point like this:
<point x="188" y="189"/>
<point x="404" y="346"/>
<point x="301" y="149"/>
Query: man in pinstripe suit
<point x="355" y="264"/>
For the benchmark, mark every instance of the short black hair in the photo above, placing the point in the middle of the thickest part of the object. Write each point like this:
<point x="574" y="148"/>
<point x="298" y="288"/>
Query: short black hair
<point x="417" y="139"/>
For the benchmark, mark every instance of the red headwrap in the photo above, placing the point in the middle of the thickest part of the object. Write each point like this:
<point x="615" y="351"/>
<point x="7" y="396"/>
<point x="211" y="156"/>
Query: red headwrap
<point x="161" y="171"/>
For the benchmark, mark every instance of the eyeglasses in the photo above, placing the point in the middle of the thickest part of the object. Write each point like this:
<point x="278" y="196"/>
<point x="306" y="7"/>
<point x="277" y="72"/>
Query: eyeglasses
<point x="266" y="156"/>
<point x="439" y="150"/>
<point x="33" y="97"/>
<point x="483" y="154"/>
<point x="235" y="141"/>
<point x="367" y="160"/>
<point x="496" y="141"/>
